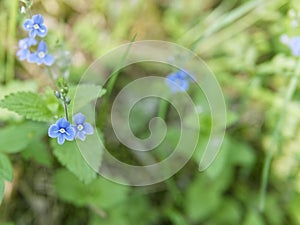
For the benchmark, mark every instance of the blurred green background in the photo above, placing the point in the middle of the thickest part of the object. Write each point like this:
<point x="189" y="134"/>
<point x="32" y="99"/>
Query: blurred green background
<point x="239" y="41"/>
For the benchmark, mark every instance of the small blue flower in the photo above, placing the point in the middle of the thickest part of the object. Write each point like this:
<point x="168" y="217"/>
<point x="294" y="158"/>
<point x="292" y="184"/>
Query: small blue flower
<point x="24" y="45"/>
<point x="41" y="56"/>
<point x="178" y="81"/>
<point x="35" y="26"/>
<point x="294" y="44"/>
<point x="81" y="128"/>
<point x="61" y="130"/>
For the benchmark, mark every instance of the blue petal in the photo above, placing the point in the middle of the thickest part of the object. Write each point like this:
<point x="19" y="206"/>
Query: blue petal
<point x="42" y="47"/>
<point x="88" y="128"/>
<point x="28" y="24"/>
<point x="22" y="54"/>
<point x="48" y="60"/>
<point x="32" y="33"/>
<point x="39" y="60"/>
<point x="62" y="123"/>
<point x="81" y="136"/>
<point x="32" y="58"/>
<point x="70" y="133"/>
<point x="23" y="43"/>
<point x="38" y="19"/>
<point x="79" y="118"/>
<point x="42" y="31"/>
<point x="53" y="131"/>
<point x="61" y="139"/>
<point x="31" y="41"/>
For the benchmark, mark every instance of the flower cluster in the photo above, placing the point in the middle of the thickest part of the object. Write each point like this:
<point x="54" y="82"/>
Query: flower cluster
<point x="178" y="81"/>
<point x="63" y="130"/>
<point x="36" y="28"/>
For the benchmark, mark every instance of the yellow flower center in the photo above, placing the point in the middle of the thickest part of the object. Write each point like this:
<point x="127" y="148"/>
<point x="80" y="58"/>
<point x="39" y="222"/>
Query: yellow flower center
<point x="62" y="130"/>
<point x="79" y="127"/>
<point x="41" y="54"/>
<point x="36" y="26"/>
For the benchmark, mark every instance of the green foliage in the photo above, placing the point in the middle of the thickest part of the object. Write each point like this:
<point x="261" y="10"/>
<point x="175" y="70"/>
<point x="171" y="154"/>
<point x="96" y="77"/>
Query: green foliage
<point x="27" y="104"/>
<point x="6" y="170"/>
<point x="83" y="94"/>
<point x="24" y="133"/>
<point x="69" y="155"/>
<point x="99" y="193"/>
<point x="1" y="189"/>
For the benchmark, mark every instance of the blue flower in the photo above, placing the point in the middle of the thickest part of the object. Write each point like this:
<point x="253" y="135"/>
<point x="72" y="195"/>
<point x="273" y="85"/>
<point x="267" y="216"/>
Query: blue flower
<point x="294" y="44"/>
<point x="24" y="45"/>
<point x="61" y="130"/>
<point x="41" y="56"/>
<point x="35" y="26"/>
<point x="81" y="128"/>
<point x="178" y="81"/>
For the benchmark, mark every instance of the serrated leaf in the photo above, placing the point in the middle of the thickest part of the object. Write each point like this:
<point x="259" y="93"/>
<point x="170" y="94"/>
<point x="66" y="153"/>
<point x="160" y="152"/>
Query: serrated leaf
<point x="84" y="94"/>
<point x="6" y="169"/>
<point x="11" y="87"/>
<point x="100" y="193"/>
<point x="69" y="155"/>
<point x="27" y="104"/>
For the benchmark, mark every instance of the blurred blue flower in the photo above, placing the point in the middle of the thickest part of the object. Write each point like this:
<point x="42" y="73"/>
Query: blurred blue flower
<point x="24" y="45"/>
<point x="41" y="56"/>
<point x="61" y="130"/>
<point x="35" y="26"/>
<point x="81" y="127"/>
<point x="178" y="81"/>
<point x="294" y="44"/>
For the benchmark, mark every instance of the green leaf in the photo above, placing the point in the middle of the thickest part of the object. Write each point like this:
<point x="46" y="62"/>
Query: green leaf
<point x="23" y="133"/>
<point x="69" y="155"/>
<point x="99" y="193"/>
<point x="11" y="87"/>
<point x="6" y="169"/>
<point x="253" y="217"/>
<point x="203" y="197"/>
<point x="27" y="104"/>
<point x="1" y="190"/>
<point x="37" y="150"/>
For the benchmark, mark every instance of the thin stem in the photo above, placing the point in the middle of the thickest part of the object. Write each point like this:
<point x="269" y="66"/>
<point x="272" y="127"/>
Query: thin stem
<point x="10" y="73"/>
<point x="276" y="136"/>
<point x="66" y="110"/>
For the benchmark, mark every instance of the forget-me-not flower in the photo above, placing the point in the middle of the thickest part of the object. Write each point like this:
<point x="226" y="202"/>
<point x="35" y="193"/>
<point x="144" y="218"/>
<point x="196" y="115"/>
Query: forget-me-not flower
<point x="81" y="127"/>
<point x="24" y="45"/>
<point x="35" y="26"/>
<point x="294" y="44"/>
<point x="178" y="81"/>
<point x="61" y="130"/>
<point x="41" y="56"/>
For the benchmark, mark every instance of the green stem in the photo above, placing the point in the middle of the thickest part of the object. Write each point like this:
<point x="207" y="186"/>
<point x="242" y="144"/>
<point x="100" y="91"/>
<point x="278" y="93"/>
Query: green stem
<point x="66" y="110"/>
<point x="276" y="136"/>
<point x="13" y="9"/>
<point x="3" y="32"/>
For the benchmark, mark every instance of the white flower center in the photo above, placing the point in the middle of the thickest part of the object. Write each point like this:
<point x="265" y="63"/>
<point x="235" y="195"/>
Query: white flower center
<point x="41" y="54"/>
<point x="62" y="130"/>
<point x="79" y="127"/>
<point x="36" y="26"/>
